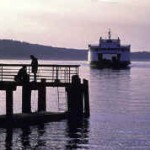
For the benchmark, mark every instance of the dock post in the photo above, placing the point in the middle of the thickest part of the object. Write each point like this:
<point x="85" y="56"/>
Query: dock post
<point x="9" y="102"/>
<point x="42" y="96"/>
<point x="86" y="98"/>
<point x="75" y="98"/>
<point x="26" y="98"/>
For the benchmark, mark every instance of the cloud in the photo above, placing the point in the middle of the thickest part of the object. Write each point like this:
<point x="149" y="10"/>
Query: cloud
<point x="108" y="1"/>
<point x="73" y="23"/>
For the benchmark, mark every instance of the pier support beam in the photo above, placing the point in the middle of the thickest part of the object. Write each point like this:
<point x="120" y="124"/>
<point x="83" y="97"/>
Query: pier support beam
<point x="42" y="96"/>
<point x="86" y="98"/>
<point x="9" y="102"/>
<point x="26" y="98"/>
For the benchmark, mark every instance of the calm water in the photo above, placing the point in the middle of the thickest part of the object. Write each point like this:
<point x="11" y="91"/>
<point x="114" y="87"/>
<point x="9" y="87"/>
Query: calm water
<point x="120" y="115"/>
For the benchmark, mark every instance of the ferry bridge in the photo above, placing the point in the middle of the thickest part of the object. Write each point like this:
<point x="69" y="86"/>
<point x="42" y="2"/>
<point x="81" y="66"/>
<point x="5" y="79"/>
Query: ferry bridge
<point x="48" y="75"/>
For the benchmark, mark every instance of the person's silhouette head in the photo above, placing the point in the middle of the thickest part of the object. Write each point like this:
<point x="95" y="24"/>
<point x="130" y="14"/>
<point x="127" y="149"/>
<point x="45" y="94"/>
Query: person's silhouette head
<point x="24" y="66"/>
<point x="31" y="56"/>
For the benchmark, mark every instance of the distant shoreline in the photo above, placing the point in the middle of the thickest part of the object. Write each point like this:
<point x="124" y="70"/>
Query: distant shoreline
<point x="10" y="49"/>
<point x="46" y="59"/>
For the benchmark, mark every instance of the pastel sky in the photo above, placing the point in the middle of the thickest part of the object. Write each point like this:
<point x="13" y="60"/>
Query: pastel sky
<point x="76" y="23"/>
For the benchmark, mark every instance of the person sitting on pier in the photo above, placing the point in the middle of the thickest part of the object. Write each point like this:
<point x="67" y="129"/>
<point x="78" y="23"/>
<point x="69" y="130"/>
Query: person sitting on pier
<point x="22" y="75"/>
<point x="34" y="65"/>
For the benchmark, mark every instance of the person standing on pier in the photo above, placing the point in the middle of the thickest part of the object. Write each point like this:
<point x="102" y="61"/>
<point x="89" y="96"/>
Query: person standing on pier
<point x="34" y="65"/>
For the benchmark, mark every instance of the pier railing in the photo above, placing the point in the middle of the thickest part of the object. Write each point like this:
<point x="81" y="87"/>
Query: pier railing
<point x="52" y="73"/>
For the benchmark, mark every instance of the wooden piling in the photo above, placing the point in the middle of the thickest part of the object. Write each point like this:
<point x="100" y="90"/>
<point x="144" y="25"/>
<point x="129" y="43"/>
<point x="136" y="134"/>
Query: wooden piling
<point x="75" y="98"/>
<point x="86" y="98"/>
<point x="26" y="98"/>
<point x="42" y="96"/>
<point x="9" y="102"/>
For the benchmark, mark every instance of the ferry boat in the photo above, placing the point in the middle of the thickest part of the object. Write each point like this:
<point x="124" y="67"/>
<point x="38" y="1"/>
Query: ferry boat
<point x="109" y="53"/>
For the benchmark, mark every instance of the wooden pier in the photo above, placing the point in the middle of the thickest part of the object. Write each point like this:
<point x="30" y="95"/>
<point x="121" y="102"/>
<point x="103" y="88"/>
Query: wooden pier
<point x="66" y="76"/>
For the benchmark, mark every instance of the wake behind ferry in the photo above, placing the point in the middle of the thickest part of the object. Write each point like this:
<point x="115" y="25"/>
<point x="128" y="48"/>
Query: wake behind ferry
<point x="109" y="53"/>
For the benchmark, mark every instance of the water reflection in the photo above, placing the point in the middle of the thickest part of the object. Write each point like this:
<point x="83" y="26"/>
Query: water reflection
<point x="41" y="131"/>
<point x="68" y="134"/>
<point x="24" y="138"/>
<point x="31" y="137"/>
<point x="8" y="141"/>
<point x="78" y="133"/>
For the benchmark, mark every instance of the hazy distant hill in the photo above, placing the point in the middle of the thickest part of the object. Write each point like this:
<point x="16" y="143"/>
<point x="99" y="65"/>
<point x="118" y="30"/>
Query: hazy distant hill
<point x="22" y="50"/>
<point x="144" y="56"/>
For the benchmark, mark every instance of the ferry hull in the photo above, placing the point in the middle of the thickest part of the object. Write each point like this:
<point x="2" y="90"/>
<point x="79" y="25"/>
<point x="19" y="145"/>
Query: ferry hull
<point x="102" y="65"/>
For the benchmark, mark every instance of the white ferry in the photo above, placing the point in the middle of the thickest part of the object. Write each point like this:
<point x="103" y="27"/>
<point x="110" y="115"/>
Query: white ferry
<point x="109" y="53"/>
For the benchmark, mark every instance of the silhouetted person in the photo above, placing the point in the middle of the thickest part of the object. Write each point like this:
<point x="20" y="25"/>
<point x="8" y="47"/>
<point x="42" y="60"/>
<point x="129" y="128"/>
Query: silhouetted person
<point x="34" y="65"/>
<point x="22" y="75"/>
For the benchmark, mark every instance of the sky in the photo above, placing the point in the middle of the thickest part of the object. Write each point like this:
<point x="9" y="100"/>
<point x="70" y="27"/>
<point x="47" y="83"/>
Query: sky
<point x="76" y="23"/>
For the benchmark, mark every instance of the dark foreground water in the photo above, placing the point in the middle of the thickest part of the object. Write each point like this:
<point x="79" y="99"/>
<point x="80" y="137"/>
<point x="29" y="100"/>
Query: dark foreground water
<point x="120" y="115"/>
